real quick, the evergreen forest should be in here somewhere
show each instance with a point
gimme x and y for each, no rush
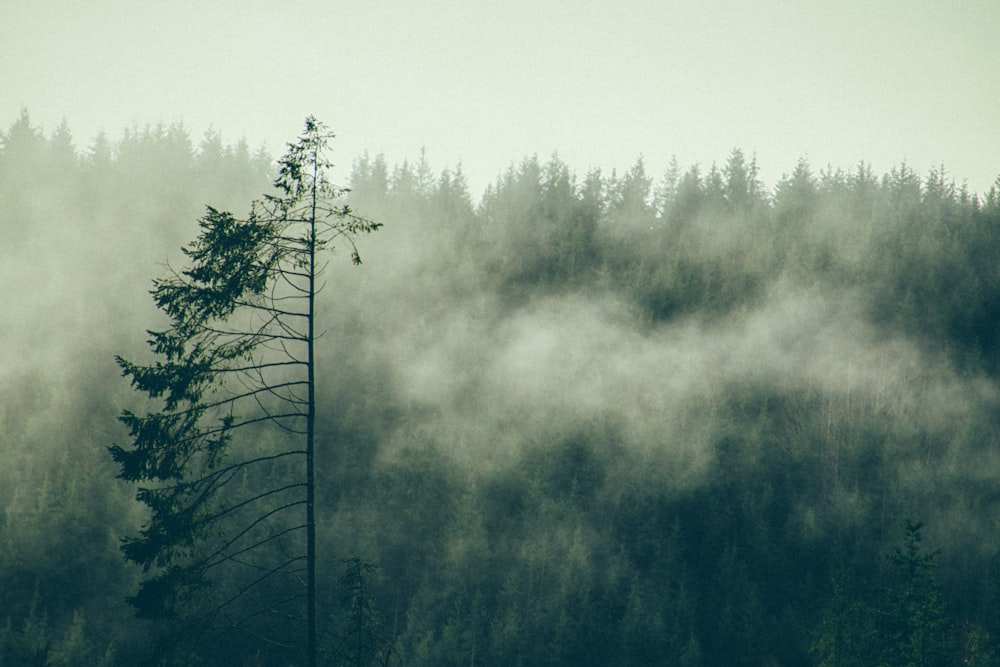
(580, 418)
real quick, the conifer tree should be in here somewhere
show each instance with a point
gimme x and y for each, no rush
(916, 621)
(226, 465)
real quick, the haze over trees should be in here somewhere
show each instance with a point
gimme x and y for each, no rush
(608, 419)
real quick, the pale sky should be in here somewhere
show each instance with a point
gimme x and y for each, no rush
(488, 83)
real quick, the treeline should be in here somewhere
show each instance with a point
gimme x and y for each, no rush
(613, 419)
(845, 326)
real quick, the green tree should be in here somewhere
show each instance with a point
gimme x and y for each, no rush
(977, 649)
(665, 194)
(630, 200)
(796, 196)
(358, 634)
(23, 157)
(845, 634)
(743, 188)
(916, 622)
(231, 533)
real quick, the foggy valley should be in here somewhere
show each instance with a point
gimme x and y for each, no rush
(580, 418)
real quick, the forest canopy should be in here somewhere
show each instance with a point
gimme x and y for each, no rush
(585, 418)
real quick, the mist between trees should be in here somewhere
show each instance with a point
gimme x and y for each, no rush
(600, 418)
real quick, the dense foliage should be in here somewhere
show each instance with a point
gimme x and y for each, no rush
(609, 420)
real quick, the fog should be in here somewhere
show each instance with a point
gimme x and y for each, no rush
(482, 380)
(600, 409)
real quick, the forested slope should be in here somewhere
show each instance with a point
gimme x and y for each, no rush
(607, 419)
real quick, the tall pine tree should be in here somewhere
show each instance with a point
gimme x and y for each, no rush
(226, 464)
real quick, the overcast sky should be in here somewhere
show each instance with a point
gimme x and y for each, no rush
(487, 83)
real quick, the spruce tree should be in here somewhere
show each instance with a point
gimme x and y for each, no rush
(226, 464)
(916, 621)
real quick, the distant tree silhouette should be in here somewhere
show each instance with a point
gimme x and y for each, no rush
(914, 615)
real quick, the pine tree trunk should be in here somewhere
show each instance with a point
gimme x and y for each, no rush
(310, 442)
